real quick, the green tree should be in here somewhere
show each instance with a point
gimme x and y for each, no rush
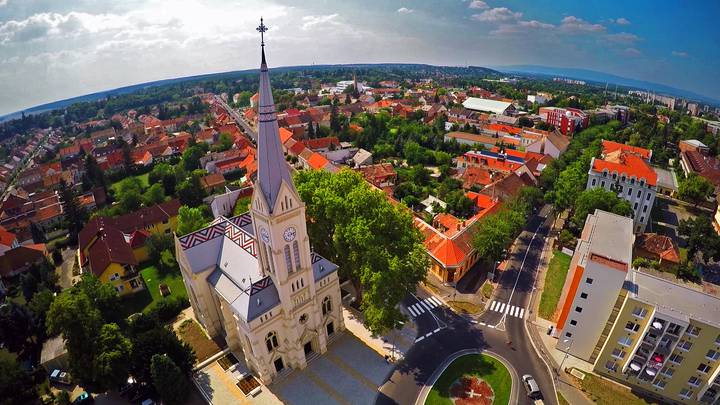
(94, 173)
(191, 158)
(164, 174)
(190, 220)
(74, 214)
(130, 201)
(150, 339)
(374, 242)
(113, 359)
(154, 195)
(598, 198)
(190, 191)
(695, 189)
(224, 143)
(168, 379)
(15, 384)
(103, 296)
(701, 237)
(569, 184)
(16, 326)
(459, 204)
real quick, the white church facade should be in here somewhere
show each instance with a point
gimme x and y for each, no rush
(253, 279)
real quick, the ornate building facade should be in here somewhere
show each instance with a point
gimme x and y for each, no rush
(253, 279)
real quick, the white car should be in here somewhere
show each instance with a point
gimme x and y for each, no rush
(60, 376)
(531, 387)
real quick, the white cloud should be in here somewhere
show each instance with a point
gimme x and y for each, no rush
(478, 4)
(623, 37)
(497, 14)
(311, 21)
(522, 27)
(575, 24)
(680, 54)
(622, 21)
(405, 10)
(3, 3)
(632, 52)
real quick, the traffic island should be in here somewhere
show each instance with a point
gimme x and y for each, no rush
(470, 378)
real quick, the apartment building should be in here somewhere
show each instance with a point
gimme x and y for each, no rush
(626, 170)
(641, 328)
(597, 272)
(566, 120)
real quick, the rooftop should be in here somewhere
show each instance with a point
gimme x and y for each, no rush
(611, 236)
(483, 104)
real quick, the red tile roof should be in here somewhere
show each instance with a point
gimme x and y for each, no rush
(659, 245)
(6, 238)
(110, 247)
(285, 134)
(627, 164)
(322, 143)
(610, 146)
(317, 161)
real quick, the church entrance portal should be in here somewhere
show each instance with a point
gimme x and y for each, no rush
(308, 348)
(279, 366)
(330, 329)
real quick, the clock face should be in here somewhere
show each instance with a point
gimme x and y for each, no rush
(265, 235)
(289, 234)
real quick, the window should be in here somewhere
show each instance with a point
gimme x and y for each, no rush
(642, 183)
(642, 219)
(618, 353)
(717, 340)
(623, 178)
(632, 327)
(326, 305)
(593, 182)
(640, 312)
(583, 295)
(573, 322)
(693, 331)
(120, 288)
(303, 318)
(703, 368)
(647, 198)
(645, 208)
(629, 191)
(639, 193)
(684, 345)
(604, 173)
(271, 341)
(578, 309)
(296, 251)
(619, 189)
(114, 277)
(288, 260)
(676, 358)
(694, 381)
(685, 393)
(614, 176)
(625, 341)
(632, 180)
(635, 206)
(660, 384)
(667, 371)
(611, 365)
(589, 280)
(674, 329)
(568, 334)
(602, 184)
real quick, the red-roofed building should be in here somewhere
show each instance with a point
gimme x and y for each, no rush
(566, 120)
(325, 144)
(381, 175)
(625, 170)
(657, 247)
(318, 161)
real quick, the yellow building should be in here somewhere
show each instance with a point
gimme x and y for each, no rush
(664, 339)
(112, 248)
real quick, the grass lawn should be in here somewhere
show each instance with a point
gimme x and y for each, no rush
(465, 307)
(604, 392)
(479, 365)
(562, 400)
(554, 281)
(142, 300)
(487, 290)
(143, 180)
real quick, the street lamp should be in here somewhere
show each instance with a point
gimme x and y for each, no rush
(567, 350)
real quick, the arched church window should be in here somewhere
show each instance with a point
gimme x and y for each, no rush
(296, 251)
(271, 341)
(326, 305)
(288, 260)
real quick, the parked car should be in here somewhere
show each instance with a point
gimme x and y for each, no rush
(84, 398)
(531, 387)
(59, 376)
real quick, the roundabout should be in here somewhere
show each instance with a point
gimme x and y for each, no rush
(470, 377)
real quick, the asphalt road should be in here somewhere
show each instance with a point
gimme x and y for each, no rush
(504, 335)
(238, 118)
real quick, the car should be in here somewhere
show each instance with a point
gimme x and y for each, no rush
(83, 398)
(59, 376)
(531, 387)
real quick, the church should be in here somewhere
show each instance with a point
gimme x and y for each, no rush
(253, 279)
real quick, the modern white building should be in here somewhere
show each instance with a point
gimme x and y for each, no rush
(487, 105)
(598, 268)
(626, 170)
(253, 279)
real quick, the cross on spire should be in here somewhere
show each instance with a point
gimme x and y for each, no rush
(262, 28)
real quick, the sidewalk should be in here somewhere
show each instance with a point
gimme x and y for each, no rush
(393, 344)
(545, 345)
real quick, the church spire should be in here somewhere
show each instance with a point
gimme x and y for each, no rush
(272, 168)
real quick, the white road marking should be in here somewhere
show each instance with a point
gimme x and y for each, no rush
(430, 302)
(412, 312)
(425, 304)
(516, 312)
(436, 301)
(509, 308)
(522, 312)
(436, 330)
(494, 305)
(491, 326)
(502, 308)
(419, 339)
(481, 323)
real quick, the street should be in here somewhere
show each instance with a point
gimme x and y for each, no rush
(501, 328)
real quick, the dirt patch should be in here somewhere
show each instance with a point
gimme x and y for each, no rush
(191, 333)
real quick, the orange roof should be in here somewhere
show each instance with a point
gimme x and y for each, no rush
(448, 253)
(317, 161)
(610, 146)
(481, 200)
(629, 165)
(285, 134)
(6, 238)
(504, 128)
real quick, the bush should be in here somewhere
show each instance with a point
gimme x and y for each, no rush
(641, 262)
(167, 260)
(566, 238)
(168, 308)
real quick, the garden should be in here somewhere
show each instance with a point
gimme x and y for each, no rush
(472, 379)
(554, 282)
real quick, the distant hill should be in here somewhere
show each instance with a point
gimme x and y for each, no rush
(600, 77)
(416, 68)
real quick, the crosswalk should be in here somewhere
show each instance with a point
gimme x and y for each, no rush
(507, 309)
(424, 305)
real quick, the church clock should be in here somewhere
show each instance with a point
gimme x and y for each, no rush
(289, 234)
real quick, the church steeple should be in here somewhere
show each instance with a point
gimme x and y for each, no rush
(272, 167)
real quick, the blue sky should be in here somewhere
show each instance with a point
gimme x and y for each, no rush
(52, 49)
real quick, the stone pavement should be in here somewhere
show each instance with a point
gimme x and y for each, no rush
(394, 344)
(218, 386)
(545, 345)
(350, 372)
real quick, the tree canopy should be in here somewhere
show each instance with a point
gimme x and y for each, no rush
(695, 189)
(598, 198)
(373, 241)
(190, 220)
